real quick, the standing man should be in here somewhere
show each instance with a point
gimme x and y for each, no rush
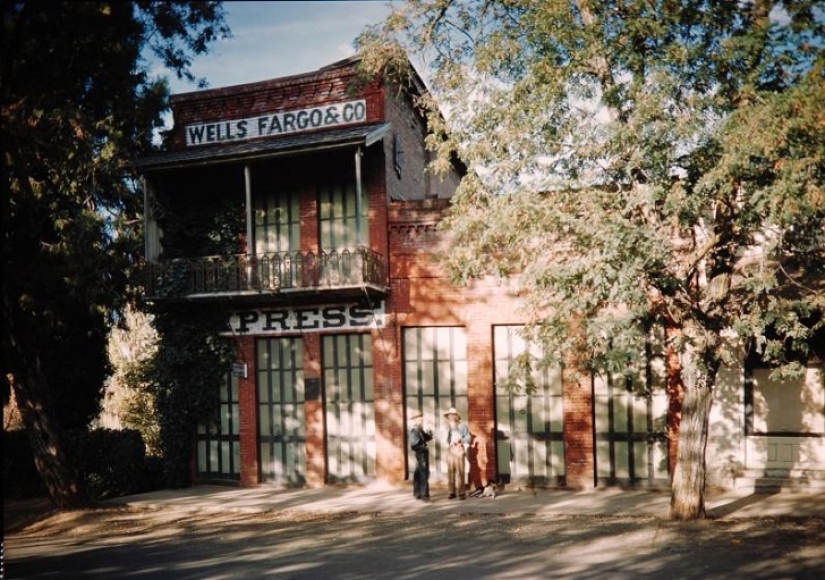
(458, 440)
(418, 443)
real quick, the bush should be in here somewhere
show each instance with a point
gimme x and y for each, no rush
(20, 477)
(111, 462)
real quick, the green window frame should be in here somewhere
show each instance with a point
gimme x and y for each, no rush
(339, 219)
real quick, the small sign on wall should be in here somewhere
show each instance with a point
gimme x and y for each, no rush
(239, 369)
(312, 389)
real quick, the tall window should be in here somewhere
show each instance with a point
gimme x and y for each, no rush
(339, 217)
(785, 406)
(277, 221)
(529, 425)
(350, 407)
(218, 441)
(281, 418)
(435, 379)
(630, 414)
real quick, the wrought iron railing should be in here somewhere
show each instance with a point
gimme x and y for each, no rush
(264, 273)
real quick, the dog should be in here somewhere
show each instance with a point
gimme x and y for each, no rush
(487, 491)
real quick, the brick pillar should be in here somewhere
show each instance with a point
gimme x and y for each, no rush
(314, 412)
(248, 414)
(390, 429)
(481, 414)
(579, 447)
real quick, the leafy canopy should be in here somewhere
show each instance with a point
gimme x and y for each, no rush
(631, 160)
(79, 103)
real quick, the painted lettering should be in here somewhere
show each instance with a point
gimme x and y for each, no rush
(276, 317)
(246, 319)
(277, 123)
(308, 319)
(196, 134)
(332, 115)
(354, 112)
(304, 316)
(316, 118)
(359, 317)
(334, 317)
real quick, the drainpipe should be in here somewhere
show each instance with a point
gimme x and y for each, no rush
(358, 197)
(250, 241)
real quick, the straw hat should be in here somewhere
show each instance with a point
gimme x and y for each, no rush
(452, 411)
(416, 415)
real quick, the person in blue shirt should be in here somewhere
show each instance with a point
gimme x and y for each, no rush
(418, 443)
(458, 440)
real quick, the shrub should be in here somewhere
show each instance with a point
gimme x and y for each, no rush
(110, 461)
(20, 477)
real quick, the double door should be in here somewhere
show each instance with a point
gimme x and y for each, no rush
(349, 409)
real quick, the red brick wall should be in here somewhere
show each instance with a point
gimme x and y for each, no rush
(421, 295)
(330, 85)
(248, 414)
(314, 411)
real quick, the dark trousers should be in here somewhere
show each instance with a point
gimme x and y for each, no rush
(421, 476)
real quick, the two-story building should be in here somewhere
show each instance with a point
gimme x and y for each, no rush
(300, 207)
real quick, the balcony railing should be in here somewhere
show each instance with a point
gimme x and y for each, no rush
(265, 273)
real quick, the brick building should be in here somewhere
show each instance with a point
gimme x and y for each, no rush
(313, 225)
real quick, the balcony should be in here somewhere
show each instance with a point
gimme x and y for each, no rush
(289, 275)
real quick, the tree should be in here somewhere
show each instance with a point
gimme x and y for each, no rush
(663, 160)
(78, 105)
(128, 401)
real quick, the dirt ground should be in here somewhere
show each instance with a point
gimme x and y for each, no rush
(36, 518)
(41, 542)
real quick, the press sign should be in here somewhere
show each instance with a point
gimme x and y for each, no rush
(281, 123)
(310, 319)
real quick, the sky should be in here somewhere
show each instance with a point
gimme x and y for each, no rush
(275, 39)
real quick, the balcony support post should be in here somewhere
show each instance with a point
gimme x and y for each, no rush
(250, 240)
(150, 225)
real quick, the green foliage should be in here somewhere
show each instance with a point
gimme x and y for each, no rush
(78, 105)
(185, 376)
(195, 225)
(631, 162)
(20, 477)
(111, 462)
(129, 401)
(662, 159)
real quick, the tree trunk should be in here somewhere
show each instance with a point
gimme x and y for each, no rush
(687, 500)
(50, 458)
(34, 401)
(675, 396)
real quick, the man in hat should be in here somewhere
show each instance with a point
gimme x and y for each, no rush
(458, 440)
(418, 443)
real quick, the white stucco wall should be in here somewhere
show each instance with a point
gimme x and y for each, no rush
(788, 423)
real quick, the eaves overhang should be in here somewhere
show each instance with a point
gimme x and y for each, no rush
(360, 135)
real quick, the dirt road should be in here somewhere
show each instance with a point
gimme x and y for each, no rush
(127, 542)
